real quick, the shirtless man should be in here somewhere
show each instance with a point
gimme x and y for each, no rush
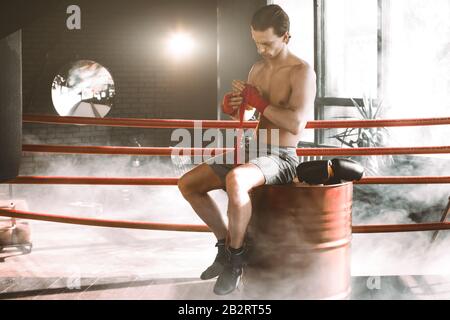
(281, 87)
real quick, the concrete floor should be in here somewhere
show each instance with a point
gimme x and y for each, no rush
(81, 262)
(135, 288)
(78, 262)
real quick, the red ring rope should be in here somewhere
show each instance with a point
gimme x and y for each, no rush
(371, 151)
(200, 228)
(168, 123)
(94, 181)
(405, 180)
(177, 123)
(173, 181)
(103, 222)
(386, 228)
(167, 151)
(147, 151)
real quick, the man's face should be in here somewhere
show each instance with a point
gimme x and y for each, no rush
(268, 43)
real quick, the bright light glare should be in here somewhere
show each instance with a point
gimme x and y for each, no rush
(180, 45)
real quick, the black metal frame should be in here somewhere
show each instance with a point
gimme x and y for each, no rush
(319, 63)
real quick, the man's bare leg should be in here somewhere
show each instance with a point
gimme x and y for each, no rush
(239, 182)
(194, 186)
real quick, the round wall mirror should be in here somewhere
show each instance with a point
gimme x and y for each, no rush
(83, 89)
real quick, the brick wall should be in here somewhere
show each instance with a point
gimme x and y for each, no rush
(128, 39)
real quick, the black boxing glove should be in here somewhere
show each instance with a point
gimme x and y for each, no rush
(315, 172)
(347, 170)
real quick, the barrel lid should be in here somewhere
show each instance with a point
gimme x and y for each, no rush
(305, 185)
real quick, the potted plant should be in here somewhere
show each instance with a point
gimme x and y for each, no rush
(367, 137)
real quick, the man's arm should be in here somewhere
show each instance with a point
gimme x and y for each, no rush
(238, 85)
(293, 118)
(249, 112)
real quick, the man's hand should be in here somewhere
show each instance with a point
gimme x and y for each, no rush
(251, 94)
(254, 98)
(238, 86)
(231, 104)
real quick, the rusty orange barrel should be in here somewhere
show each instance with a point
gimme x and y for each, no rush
(299, 241)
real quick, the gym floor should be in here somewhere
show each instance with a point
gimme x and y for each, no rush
(77, 262)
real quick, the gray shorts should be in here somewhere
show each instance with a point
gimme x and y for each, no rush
(277, 164)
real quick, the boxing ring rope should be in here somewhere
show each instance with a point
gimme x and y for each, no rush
(387, 228)
(227, 124)
(168, 151)
(150, 181)
(96, 181)
(200, 228)
(102, 222)
(174, 123)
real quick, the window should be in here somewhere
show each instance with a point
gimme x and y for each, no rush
(394, 51)
(350, 48)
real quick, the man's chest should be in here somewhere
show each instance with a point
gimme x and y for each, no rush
(275, 85)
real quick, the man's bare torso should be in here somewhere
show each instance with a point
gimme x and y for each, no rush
(276, 87)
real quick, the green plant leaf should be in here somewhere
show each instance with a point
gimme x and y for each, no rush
(379, 108)
(355, 103)
(362, 111)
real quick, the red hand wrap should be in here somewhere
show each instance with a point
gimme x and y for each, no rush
(252, 97)
(226, 108)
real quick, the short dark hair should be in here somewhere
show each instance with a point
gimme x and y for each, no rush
(271, 16)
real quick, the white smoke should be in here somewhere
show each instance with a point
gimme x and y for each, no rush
(417, 85)
(108, 252)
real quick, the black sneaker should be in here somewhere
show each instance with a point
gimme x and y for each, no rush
(230, 277)
(219, 262)
(228, 280)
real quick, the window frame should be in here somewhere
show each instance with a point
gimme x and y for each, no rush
(322, 100)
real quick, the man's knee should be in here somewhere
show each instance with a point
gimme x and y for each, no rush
(185, 185)
(235, 181)
(198, 181)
